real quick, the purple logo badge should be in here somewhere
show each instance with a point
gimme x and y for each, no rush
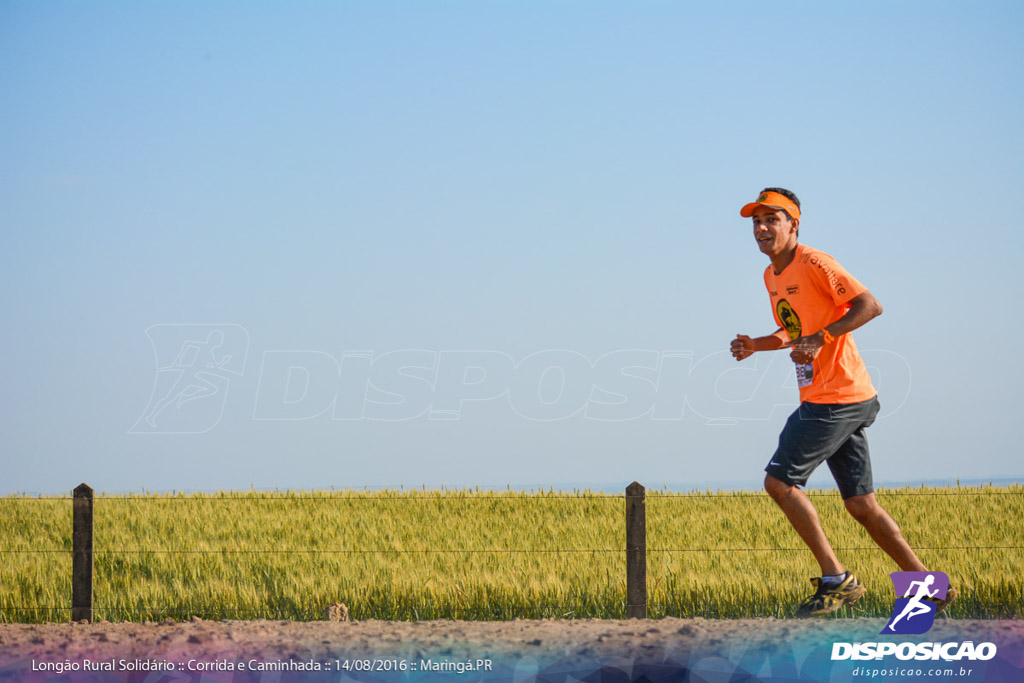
(917, 598)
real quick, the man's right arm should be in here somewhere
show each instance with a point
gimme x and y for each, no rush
(743, 346)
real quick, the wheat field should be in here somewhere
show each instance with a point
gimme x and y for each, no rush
(473, 554)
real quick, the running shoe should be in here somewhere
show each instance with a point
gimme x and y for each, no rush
(951, 594)
(830, 596)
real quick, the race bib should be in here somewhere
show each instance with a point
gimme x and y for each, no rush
(804, 375)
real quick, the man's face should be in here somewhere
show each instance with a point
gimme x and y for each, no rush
(774, 231)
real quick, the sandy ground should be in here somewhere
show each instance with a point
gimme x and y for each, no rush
(564, 639)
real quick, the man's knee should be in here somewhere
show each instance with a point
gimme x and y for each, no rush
(776, 488)
(861, 508)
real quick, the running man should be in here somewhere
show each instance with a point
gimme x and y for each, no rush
(817, 304)
(914, 606)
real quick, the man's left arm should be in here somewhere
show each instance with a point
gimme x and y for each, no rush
(863, 308)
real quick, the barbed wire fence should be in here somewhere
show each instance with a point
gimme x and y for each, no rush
(635, 546)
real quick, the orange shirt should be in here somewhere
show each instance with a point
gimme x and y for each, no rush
(811, 292)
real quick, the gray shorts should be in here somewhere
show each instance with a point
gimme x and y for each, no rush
(833, 433)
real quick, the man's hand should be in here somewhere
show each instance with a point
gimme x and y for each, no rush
(805, 349)
(742, 346)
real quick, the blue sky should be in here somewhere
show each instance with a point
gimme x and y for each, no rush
(550, 190)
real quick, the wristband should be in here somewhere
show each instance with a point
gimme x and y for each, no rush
(828, 337)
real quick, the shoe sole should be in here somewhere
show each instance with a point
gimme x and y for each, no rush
(951, 595)
(856, 595)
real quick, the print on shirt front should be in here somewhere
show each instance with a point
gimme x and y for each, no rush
(791, 322)
(816, 291)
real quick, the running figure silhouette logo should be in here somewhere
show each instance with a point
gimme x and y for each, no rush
(917, 598)
(194, 366)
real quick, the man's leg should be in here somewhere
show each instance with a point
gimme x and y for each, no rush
(812, 434)
(884, 531)
(851, 467)
(804, 518)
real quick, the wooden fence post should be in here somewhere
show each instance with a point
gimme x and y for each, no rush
(636, 552)
(81, 554)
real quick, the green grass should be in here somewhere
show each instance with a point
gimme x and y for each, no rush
(428, 554)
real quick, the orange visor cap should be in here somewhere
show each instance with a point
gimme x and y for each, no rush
(772, 200)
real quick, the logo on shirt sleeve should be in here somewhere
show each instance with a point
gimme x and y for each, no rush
(828, 271)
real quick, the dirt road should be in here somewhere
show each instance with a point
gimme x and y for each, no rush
(205, 640)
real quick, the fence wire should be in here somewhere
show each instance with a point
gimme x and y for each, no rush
(459, 496)
(450, 496)
(473, 551)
